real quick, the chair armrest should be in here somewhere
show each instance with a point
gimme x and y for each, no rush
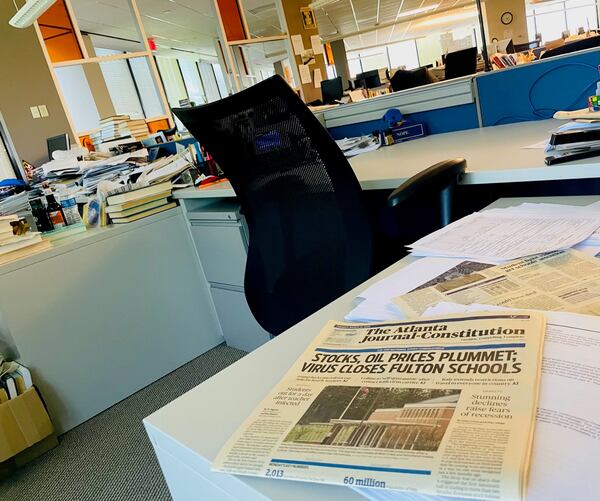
(429, 182)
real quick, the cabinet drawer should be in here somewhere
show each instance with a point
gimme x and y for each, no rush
(222, 252)
(239, 327)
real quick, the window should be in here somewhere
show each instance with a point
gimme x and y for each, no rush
(220, 79)
(209, 80)
(172, 80)
(403, 54)
(146, 87)
(79, 98)
(191, 79)
(552, 19)
(121, 86)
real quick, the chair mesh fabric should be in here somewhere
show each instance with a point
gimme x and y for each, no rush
(309, 235)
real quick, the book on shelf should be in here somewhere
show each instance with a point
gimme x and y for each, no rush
(141, 215)
(132, 192)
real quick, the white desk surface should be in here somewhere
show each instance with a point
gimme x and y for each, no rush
(195, 426)
(493, 154)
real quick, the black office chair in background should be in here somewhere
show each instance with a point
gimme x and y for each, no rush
(460, 63)
(310, 239)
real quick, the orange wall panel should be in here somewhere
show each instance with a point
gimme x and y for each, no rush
(232, 20)
(57, 30)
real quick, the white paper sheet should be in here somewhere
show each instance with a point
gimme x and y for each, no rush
(375, 302)
(566, 447)
(297, 44)
(304, 73)
(315, 42)
(505, 234)
(318, 78)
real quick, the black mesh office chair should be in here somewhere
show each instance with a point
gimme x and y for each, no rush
(310, 238)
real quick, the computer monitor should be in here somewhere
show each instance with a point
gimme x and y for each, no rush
(61, 142)
(368, 79)
(332, 90)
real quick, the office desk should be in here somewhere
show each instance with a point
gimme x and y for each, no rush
(188, 433)
(494, 155)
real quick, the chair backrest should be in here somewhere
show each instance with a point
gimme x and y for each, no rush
(461, 63)
(585, 43)
(407, 79)
(309, 235)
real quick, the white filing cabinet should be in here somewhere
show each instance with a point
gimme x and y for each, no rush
(221, 239)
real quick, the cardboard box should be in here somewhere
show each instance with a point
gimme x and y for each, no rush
(23, 423)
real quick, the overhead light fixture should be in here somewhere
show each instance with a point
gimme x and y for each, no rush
(319, 4)
(448, 18)
(420, 10)
(27, 14)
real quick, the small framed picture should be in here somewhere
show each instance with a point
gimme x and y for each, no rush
(308, 18)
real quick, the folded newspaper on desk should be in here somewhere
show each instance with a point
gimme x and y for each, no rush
(556, 281)
(443, 405)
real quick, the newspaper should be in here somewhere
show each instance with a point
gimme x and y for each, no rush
(556, 281)
(442, 405)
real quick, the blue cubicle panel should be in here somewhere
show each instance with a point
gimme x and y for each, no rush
(437, 121)
(535, 91)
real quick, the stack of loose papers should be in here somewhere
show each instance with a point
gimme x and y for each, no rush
(565, 450)
(512, 233)
(357, 145)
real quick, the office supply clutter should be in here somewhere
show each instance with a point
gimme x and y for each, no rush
(420, 405)
(24, 421)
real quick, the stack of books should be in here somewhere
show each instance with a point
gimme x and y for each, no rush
(13, 246)
(500, 61)
(15, 380)
(133, 202)
(110, 129)
(138, 129)
(574, 141)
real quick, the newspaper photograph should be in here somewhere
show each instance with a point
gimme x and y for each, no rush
(443, 405)
(556, 281)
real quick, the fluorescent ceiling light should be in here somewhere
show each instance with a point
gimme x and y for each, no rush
(27, 14)
(318, 4)
(448, 18)
(420, 10)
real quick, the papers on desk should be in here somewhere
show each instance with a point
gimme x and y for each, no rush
(512, 233)
(556, 281)
(413, 405)
(357, 145)
(566, 448)
(375, 302)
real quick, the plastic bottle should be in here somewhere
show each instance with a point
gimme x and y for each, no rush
(70, 212)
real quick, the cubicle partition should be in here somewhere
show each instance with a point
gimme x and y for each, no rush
(535, 91)
(526, 92)
(442, 107)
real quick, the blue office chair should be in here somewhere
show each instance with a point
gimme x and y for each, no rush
(310, 238)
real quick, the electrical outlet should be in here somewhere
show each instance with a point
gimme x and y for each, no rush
(43, 110)
(35, 112)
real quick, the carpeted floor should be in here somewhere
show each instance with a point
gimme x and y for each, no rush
(109, 458)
